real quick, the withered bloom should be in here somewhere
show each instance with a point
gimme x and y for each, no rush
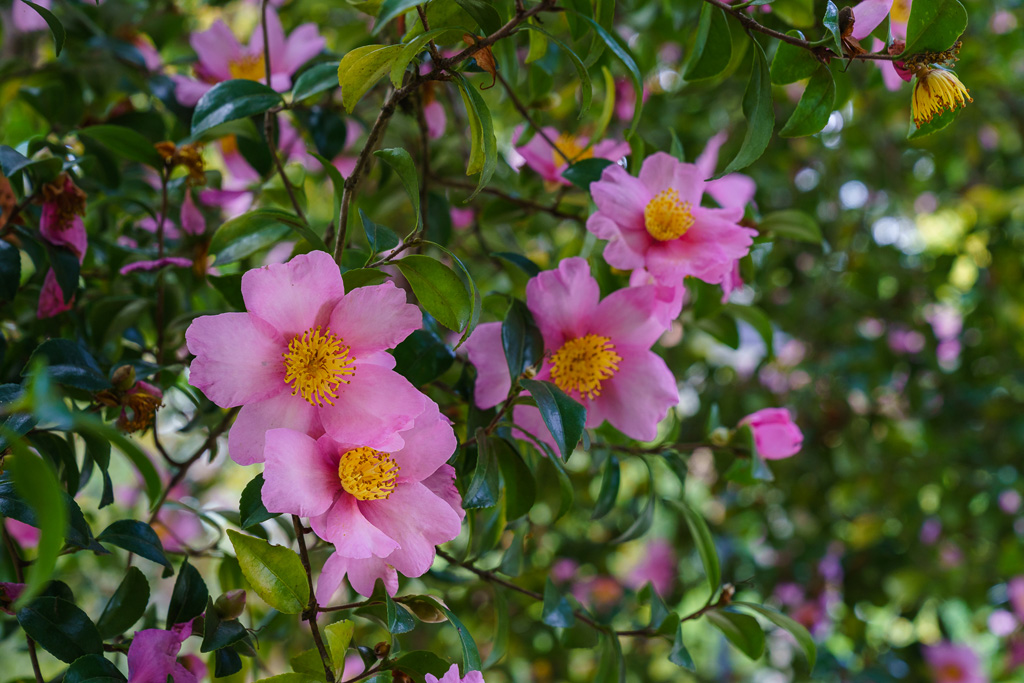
(189, 156)
(138, 401)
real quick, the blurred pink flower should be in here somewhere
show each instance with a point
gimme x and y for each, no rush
(658, 566)
(1015, 592)
(930, 531)
(462, 218)
(870, 13)
(951, 663)
(153, 655)
(9, 593)
(156, 264)
(625, 99)
(1002, 623)
(221, 57)
(26, 535)
(776, 436)
(1009, 501)
(549, 164)
(263, 359)
(452, 676)
(564, 570)
(51, 298)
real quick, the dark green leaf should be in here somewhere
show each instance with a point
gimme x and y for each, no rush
(402, 164)
(379, 237)
(795, 628)
(586, 171)
(189, 597)
(69, 363)
(362, 277)
(219, 634)
(438, 289)
(564, 417)
(814, 108)
(520, 488)
(389, 9)
(643, 521)
(422, 357)
(483, 13)
(420, 662)
(757, 108)
(557, 611)
(126, 605)
(705, 545)
(226, 662)
(483, 156)
(246, 234)
(231, 100)
(10, 270)
(136, 537)
(251, 509)
(757, 319)
(934, 26)
(609, 489)
(831, 21)
(483, 487)
(518, 260)
(712, 47)
(66, 268)
(409, 52)
(60, 628)
(521, 339)
(621, 51)
(56, 28)
(742, 630)
(93, 669)
(125, 142)
(793, 224)
(586, 86)
(315, 80)
(679, 655)
(470, 654)
(791, 63)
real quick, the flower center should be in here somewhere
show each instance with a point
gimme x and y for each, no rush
(666, 218)
(951, 673)
(936, 91)
(249, 67)
(368, 474)
(900, 11)
(316, 365)
(229, 145)
(570, 146)
(583, 363)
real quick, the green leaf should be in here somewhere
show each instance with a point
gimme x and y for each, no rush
(519, 261)
(274, 572)
(831, 21)
(380, 238)
(67, 269)
(438, 289)
(499, 646)
(360, 69)
(557, 611)
(400, 161)
(362, 277)
(483, 155)
(712, 47)
(56, 28)
(938, 123)
(814, 108)
(679, 655)
(125, 142)
(136, 537)
(409, 52)
(519, 485)
(621, 51)
(420, 662)
(126, 605)
(246, 234)
(339, 636)
(60, 628)
(741, 630)
(586, 171)
(89, 424)
(315, 80)
(564, 417)
(226, 662)
(791, 63)
(705, 545)
(643, 521)
(422, 357)
(470, 653)
(793, 224)
(251, 510)
(218, 634)
(93, 669)
(586, 86)
(231, 100)
(70, 364)
(10, 270)
(520, 339)
(795, 12)
(795, 628)
(483, 13)
(757, 108)
(609, 489)
(189, 597)
(389, 9)
(934, 26)
(36, 483)
(482, 491)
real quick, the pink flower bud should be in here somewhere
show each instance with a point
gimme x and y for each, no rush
(775, 434)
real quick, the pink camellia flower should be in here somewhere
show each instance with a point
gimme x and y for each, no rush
(951, 663)
(452, 676)
(625, 99)
(732, 191)
(153, 655)
(156, 264)
(60, 223)
(367, 502)
(222, 57)
(775, 434)
(51, 298)
(598, 352)
(1015, 591)
(26, 535)
(9, 594)
(658, 566)
(549, 163)
(309, 357)
(363, 572)
(462, 218)
(192, 221)
(656, 222)
(870, 13)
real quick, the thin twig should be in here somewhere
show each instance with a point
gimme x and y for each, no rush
(525, 113)
(512, 199)
(19, 575)
(311, 609)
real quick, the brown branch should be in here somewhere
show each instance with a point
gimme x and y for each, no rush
(311, 610)
(524, 112)
(512, 199)
(508, 29)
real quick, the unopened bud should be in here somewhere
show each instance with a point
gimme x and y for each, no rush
(381, 649)
(720, 436)
(124, 378)
(230, 605)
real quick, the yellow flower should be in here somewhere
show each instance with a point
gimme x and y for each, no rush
(936, 91)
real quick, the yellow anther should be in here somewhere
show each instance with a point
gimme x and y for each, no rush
(368, 474)
(316, 365)
(666, 218)
(583, 363)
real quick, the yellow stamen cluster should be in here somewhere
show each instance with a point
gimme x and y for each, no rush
(583, 363)
(936, 91)
(316, 366)
(249, 67)
(368, 474)
(666, 218)
(143, 409)
(569, 145)
(900, 11)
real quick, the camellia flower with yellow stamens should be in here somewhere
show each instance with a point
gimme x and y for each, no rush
(935, 91)
(309, 357)
(369, 503)
(550, 163)
(222, 57)
(597, 351)
(656, 222)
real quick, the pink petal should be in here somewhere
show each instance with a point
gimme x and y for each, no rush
(662, 171)
(298, 479)
(295, 296)
(707, 251)
(362, 575)
(235, 362)
(374, 318)
(611, 150)
(72, 236)
(707, 162)
(637, 397)
(868, 15)
(352, 534)
(562, 301)
(192, 221)
(152, 657)
(304, 43)
(487, 355)
(442, 484)
(189, 91)
(246, 438)
(436, 119)
(418, 520)
(373, 408)
(540, 157)
(275, 41)
(732, 191)
(634, 316)
(621, 198)
(428, 445)
(51, 298)
(216, 48)
(626, 252)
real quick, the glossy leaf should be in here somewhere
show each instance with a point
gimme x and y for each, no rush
(409, 52)
(360, 69)
(315, 80)
(712, 46)
(389, 9)
(470, 653)
(126, 142)
(246, 234)
(517, 478)
(402, 164)
(705, 545)
(126, 606)
(791, 63)
(483, 13)
(93, 669)
(251, 509)
(564, 417)
(231, 100)
(189, 597)
(274, 572)
(679, 655)
(795, 628)
(520, 339)
(379, 237)
(814, 108)
(422, 357)
(338, 636)
(831, 22)
(934, 26)
(60, 628)
(757, 108)
(609, 488)
(585, 171)
(136, 537)
(483, 156)
(438, 289)
(56, 28)
(556, 611)
(69, 363)
(36, 484)
(482, 491)
(741, 630)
